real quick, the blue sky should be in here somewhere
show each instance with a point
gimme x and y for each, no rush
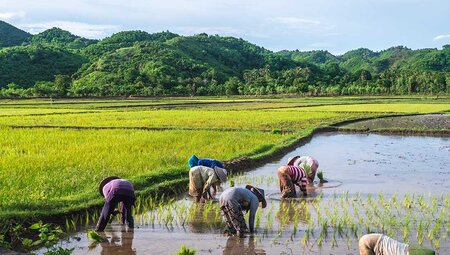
(336, 26)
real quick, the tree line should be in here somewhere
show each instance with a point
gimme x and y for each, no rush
(56, 63)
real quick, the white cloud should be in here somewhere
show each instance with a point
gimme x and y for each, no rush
(303, 25)
(441, 37)
(76, 28)
(11, 15)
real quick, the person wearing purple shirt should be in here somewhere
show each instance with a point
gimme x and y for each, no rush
(115, 191)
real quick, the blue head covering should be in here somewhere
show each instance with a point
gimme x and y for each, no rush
(193, 161)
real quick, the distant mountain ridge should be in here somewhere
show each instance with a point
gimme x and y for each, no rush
(60, 38)
(11, 36)
(160, 64)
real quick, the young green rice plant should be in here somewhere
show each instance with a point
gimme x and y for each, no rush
(324, 231)
(67, 225)
(447, 201)
(407, 201)
(431, 235)
(320, 176)
(349, 242)
(333, 240)
(186, 251)
(369, 199)
(420, 233)
(340, 228)
(94, 236)
(87, 218)
(406, 230)
(305, 239)
(368, 227)
(354, 229)
(73, 224)
(320, 240)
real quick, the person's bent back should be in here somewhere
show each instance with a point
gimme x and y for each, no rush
(115, 191)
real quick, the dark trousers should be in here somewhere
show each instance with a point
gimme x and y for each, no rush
(234, 219)
(126, 202)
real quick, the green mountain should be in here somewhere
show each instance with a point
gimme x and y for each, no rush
(26, 65)
(57, 37)
(11, 36)
(123, 40)
(161, 61)
(317, 57)
(56, 62)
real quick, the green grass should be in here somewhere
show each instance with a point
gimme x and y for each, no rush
(385, 107)
(52, 171)
(35, 111)
(42, 167)
(197, 119)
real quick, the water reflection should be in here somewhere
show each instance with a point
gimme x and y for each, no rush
(204, 221)
(246, 245)
(119, 243)
(291, 211)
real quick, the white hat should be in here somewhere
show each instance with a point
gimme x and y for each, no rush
(221, 173)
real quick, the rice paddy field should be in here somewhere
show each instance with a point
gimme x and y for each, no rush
(53, 153)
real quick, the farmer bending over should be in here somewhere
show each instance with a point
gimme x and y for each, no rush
(307, 163)
(202, 178)
(289, 177)
(115, 191)
(194, 161)
(235, 200)
(378, 244)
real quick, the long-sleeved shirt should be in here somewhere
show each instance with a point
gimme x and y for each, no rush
(209, 162)
(118, 187)
(308, 162)
(234, 197)
(298, 176)
(204, 176)
(387, 245)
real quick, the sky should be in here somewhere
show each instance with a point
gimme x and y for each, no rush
(334, 25)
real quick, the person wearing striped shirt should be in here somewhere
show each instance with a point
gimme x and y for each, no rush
(290, 176)
(307, 163)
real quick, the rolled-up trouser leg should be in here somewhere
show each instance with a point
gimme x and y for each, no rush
(367, 244)
(287, 187)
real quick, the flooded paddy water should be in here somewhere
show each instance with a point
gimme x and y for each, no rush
(377, 183)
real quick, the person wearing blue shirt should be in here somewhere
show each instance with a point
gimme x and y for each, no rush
(195, 161)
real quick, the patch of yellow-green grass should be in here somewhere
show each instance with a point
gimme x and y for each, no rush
(386, 108)
(196, 119)
(34, 111)
(40, 167)
(120, 103)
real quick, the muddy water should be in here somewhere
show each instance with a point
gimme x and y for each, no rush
(355, 165)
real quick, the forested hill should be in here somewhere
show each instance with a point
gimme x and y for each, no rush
(11, 36)
(58, 63)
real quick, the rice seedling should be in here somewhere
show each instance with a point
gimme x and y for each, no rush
(143, 158)
(420, 233)
(333, 240)
(305, 239)
(320, 240)
(94, 236)
(437, 243)
(186, 251)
